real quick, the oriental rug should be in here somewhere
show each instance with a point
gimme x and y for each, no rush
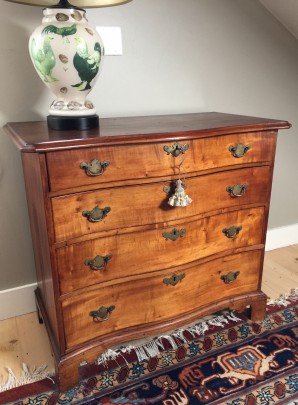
(228, 360)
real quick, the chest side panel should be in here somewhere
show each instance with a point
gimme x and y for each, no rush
(41, 231)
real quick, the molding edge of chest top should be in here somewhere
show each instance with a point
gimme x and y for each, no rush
(114, 261)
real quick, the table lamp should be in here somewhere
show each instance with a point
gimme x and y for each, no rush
(67, 54)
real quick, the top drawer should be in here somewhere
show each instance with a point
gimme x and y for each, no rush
(67, 169)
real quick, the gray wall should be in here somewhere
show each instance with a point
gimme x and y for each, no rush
(179, 56)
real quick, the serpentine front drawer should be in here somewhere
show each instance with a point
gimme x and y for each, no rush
(115, 262)
(119, 256)
(157, 297)
(120, 207)
(82, 167)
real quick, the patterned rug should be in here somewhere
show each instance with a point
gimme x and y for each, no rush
(235, 362)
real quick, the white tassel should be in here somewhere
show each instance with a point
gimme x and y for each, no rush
(218, 321)
(151, 349)
(180, 335)
(26, 377)
(202, 328)
(10, 383)
(285, 299)
(179, 198)
(141, 354)
(233, 317)
(169, 338)
(106, 356)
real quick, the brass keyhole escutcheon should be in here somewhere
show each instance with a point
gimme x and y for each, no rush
(176, 149)
(174, 234)
(174, 280)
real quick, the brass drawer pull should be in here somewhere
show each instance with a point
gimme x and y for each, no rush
(230, 277)
(102, 314)
(99, 262)
(174, 234)
(232, 232)
(240, 150)
(176, 149)
(97, 214)
(174, 280)
(95, 167)
(237, 190)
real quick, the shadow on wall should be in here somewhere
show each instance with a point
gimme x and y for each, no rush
(16, 255)
(22, 89)
(21, 93)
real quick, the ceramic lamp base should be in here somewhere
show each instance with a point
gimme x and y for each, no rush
(67, 54)
(73, 123)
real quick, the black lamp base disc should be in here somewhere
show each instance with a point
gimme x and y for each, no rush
(73, 123)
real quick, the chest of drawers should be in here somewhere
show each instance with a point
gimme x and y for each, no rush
(114, 260)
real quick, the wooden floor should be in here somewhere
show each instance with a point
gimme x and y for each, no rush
(24, 340)
(280, 271)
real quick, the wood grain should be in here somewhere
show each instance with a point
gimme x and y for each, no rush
(150, 160)
(150, 300)
(144, 252)
(148, 204)
(35, 176)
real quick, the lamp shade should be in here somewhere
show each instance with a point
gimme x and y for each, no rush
(76, 3)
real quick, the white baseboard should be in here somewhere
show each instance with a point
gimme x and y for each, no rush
(20, 300)
(17, 301)
(281, 237)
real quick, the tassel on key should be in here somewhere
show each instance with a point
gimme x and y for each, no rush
(179, 198)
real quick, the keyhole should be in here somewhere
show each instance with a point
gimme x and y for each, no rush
(177, 151)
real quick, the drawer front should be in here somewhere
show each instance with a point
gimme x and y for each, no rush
(118, 256)
(153, 299)
(123, 207)
(73, 168)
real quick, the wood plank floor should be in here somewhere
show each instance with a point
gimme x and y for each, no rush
(24, 340)
(280, 271)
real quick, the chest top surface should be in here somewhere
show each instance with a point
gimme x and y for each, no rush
(36, 137)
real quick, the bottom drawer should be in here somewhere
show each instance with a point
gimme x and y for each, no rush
(153, 299)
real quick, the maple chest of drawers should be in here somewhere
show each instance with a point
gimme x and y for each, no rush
(114, 260)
